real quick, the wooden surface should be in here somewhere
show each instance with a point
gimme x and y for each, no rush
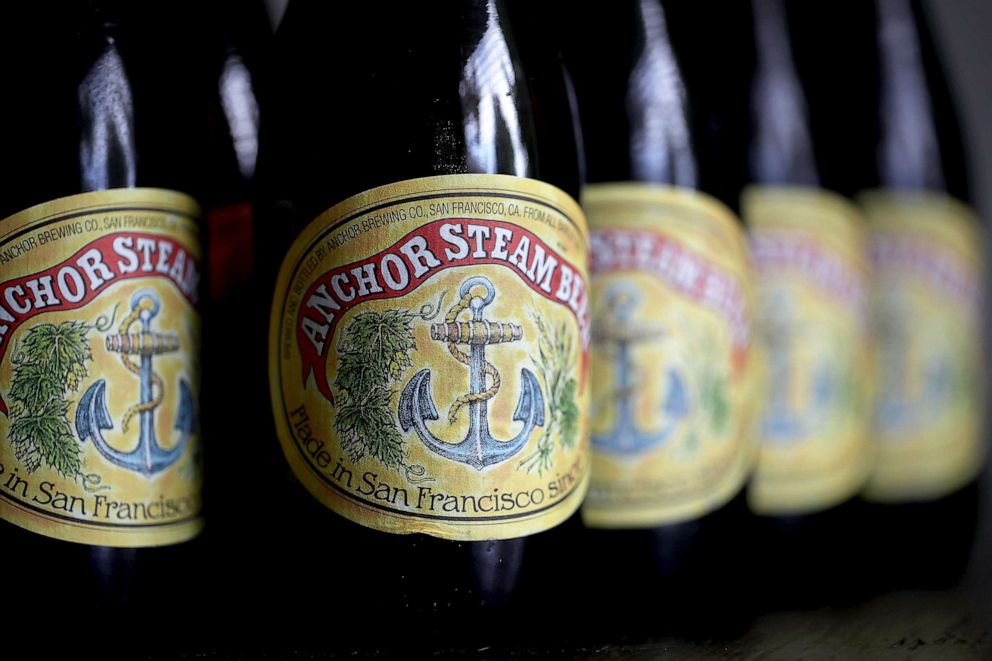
(954, 624)
(901, 625)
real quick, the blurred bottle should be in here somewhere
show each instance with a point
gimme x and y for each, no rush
(928, 255)
(240, 36)
(900, 149)
(540, 40)
(240, 42)
(810, 249)
(672, 366)
(428, 327)
(100, 446)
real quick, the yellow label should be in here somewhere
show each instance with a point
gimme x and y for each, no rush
(927, 255)
(672, 366)
(428, 353)
(810, 252)
(99, 377)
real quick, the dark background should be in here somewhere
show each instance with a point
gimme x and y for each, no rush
(964, 32)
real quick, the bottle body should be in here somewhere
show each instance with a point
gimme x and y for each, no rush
(238, 49)
(909, 176)
(108, 496)
(930, 430)
(443, 176)
(670, 448)
(811, 252)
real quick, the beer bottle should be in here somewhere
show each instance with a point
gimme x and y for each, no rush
(898, 146)
(240, 36)
(100, 262)
(238, 49)
(929, 261)
(672, 306)
(810, 250)
(427, 346)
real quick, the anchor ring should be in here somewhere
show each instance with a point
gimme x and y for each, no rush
(146, 294)
(623, 298)
(478, 281)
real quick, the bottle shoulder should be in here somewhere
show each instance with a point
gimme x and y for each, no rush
(100, 106)
(411, 107)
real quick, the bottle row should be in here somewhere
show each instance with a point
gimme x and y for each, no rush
(642, 317)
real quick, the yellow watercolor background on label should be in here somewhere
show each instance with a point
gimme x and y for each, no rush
(813, 428)
(699, 466)
(85, 516)
(403, 505)
(935, 444)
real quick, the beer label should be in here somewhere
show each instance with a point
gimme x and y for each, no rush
(99, 379)
(428, 357)
(672, 366)
(810, 251)
(928, 259)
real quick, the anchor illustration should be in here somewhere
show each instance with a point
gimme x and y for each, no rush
(897, 409)
(782, 422)
(478, 449)
(92, 417)
(625, 437)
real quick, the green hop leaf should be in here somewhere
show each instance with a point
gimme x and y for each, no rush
(53, 363)
(373, 354)
(569, 413)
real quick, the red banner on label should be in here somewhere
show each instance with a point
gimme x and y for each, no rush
(684, 270)
(80, 279)
(408, 263)
(774, 250)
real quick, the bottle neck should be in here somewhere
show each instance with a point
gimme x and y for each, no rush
(782, 148)
(632, 98)
(661, 147)
(909, 150)
(491, 90)
(108, 152)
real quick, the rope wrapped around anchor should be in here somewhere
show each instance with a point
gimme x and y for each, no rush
(473, 332)
(128, 344)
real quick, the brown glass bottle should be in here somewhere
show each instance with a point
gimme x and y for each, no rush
(94, 103)
(240, 37)
(814, 429)
(919, 150)
(661, 552)
(899, 149)
(364, 98)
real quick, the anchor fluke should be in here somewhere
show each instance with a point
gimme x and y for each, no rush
(677, 403)
(91, 413)
(415, 401)
(186, 416)
(185, 424)
(530, 406)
